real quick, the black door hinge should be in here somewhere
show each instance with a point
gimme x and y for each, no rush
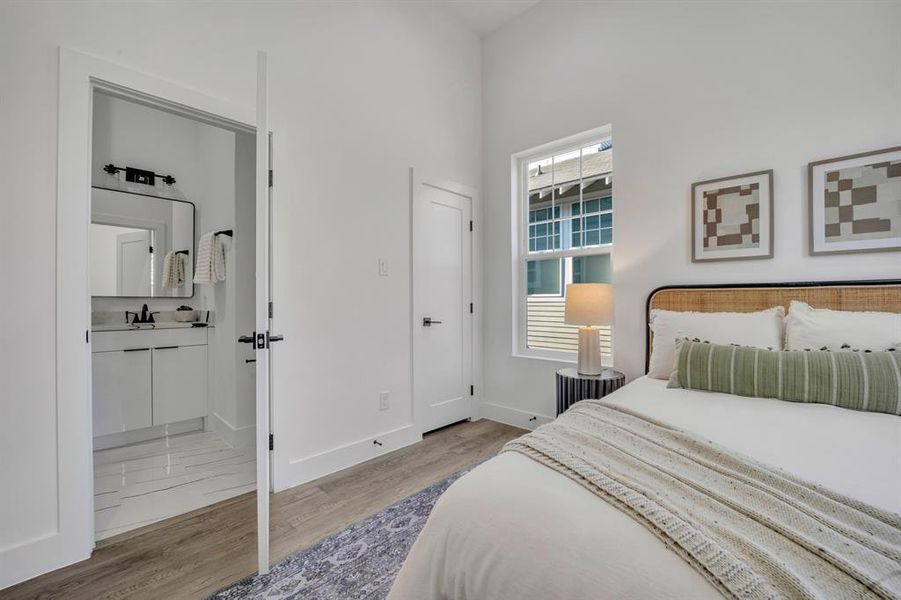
(87, 339)
(270, 309)
(271, 442)
(472, 390)
(151, 249)
(470, 308)
(470, 225)
(270, 177)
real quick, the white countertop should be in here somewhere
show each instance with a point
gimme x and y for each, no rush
(143, 326)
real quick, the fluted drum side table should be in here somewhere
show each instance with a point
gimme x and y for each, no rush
(573, 386)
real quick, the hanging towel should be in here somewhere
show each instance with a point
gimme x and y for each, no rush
(173, 270)
(210, 259)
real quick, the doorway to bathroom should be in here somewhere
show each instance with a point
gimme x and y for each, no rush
(70, 537)
(172, 271)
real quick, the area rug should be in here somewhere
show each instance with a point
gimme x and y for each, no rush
(360, 562)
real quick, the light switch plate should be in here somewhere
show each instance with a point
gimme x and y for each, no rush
(383, 267)
(384, 403)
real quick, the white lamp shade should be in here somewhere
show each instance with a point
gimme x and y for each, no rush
(589, 304)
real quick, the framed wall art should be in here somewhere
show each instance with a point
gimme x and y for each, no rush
(732, 217)
(855, 202)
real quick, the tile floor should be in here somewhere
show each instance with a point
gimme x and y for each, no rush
(143, 483)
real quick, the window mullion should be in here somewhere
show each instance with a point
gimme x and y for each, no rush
(552, 245)
(581, 199)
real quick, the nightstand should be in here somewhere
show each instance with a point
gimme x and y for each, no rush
(573, 386)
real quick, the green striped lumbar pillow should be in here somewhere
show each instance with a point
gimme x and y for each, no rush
(868, 381)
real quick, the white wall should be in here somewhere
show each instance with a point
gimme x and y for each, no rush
(693, 91)
(359, 93)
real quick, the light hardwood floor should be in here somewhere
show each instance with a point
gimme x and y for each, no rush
(196, 554)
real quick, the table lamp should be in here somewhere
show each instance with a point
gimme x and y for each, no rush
(589, 305)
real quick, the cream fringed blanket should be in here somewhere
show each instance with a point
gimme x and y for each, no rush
(751, 530)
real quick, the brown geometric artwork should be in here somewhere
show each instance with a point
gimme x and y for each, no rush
(732, 217)
(863, 203)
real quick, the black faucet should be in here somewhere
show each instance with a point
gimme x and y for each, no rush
(145, 316)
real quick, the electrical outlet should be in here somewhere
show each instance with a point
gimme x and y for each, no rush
(384, 403)
(383, 267)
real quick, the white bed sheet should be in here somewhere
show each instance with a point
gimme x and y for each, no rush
(513, 528)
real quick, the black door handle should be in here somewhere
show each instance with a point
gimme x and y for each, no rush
(428, 322)
(260, 340)
(249, 360)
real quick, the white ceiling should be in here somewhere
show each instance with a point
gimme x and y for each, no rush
(484, 16)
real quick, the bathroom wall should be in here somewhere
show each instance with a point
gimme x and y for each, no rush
(232, 398)
(245, 295)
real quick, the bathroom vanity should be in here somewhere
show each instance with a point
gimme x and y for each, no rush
(149, 381)
(144, 378)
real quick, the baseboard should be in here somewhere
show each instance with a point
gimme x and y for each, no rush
(513, 416)
(114, 440)
(236, 437)
(308, 468)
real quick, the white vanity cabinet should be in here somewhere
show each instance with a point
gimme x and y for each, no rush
(143, 378)
(122, 391)
(179, 383)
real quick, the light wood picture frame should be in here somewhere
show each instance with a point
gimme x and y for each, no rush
(854, 203)
(732, 217)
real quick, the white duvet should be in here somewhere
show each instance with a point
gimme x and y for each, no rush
(514, 529)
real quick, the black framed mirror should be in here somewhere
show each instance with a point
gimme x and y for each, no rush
(141, 246)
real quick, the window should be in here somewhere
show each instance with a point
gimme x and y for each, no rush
(544, 229)
(563, 202)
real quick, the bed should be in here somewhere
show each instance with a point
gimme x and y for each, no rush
(514, 528)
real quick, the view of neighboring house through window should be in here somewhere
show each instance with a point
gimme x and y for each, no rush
(567, 198)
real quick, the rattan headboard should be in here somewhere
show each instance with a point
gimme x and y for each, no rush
(881, 295)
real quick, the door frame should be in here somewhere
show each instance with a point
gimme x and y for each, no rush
(418, 178)
(80, 74)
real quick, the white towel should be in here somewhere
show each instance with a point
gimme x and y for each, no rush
(210, 259)
(173, 270)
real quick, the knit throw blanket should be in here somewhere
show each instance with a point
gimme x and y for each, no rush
(753, 531)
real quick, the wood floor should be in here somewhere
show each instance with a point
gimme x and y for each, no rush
(196, 554)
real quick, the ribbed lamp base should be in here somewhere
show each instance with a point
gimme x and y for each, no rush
(590, 351)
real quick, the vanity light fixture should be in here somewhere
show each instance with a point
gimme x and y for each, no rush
(139, 175)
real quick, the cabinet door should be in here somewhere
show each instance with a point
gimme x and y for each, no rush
(179, 383)
(121, 391)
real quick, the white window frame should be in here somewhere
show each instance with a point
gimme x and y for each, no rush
(519, 168)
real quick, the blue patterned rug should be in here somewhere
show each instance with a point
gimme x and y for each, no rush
(360, 562)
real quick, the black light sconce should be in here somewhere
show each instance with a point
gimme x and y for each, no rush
(134, 175)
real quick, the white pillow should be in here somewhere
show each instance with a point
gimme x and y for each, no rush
(816, 328)
(762, 329)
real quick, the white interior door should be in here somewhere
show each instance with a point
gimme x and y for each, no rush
(261, 334)
(442, 303)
